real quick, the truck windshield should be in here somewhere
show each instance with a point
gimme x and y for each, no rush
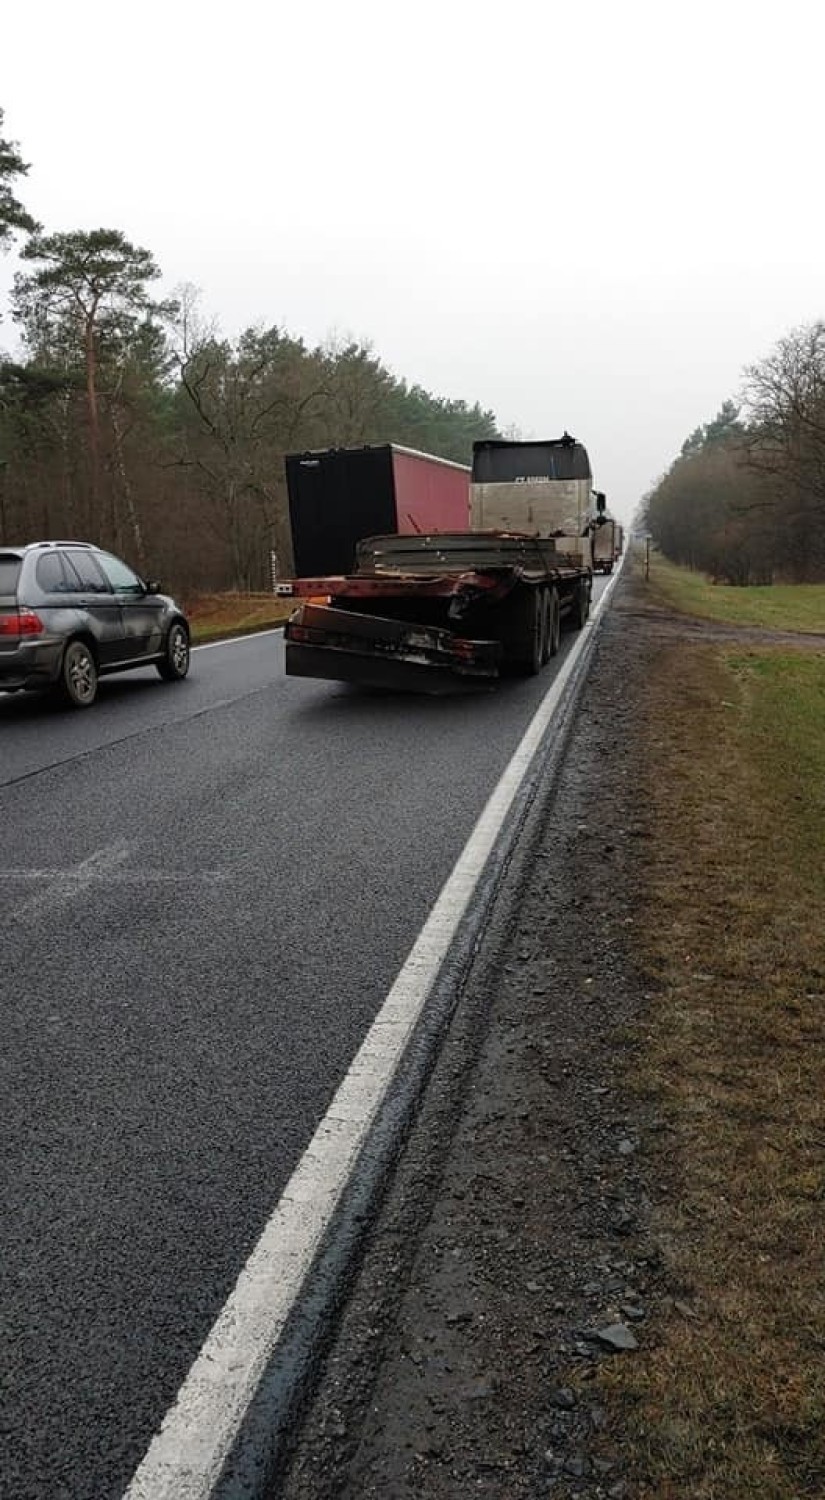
(503, 463)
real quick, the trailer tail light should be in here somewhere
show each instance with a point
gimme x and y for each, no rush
(21, 622)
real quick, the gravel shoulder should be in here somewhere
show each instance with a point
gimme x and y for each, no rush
(515, 1258)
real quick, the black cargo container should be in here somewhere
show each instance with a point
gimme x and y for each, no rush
(338, 496)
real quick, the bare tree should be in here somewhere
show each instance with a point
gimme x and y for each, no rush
(785, 400)
(247, 403)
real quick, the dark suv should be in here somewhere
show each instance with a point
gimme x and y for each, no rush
(70, 613)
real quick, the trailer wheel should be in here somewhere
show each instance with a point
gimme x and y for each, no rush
(530, 636)
(581, 605)
(553, 634)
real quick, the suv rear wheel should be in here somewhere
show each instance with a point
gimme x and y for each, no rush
(78, 675)
(175, 663)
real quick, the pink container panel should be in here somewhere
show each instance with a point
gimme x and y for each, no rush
(430, 496)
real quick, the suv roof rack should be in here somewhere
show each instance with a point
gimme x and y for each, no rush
(62, 542)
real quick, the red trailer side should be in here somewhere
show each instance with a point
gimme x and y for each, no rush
(431, 494)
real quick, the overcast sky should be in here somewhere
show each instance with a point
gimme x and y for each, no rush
(587, 215)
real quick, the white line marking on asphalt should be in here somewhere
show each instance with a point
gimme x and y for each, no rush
(185, 1457)
(105, 867)
(111, 876)
(66, 884)
(237, 640)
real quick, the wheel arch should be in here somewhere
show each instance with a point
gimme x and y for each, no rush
(86, 638)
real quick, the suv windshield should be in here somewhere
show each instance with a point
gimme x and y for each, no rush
(9, 574)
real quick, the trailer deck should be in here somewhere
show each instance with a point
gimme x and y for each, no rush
(434, 613)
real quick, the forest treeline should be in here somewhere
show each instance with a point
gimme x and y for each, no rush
(131, 420)
(745, 500)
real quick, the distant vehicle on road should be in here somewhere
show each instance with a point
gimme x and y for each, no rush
(71, 613)
(605, 546)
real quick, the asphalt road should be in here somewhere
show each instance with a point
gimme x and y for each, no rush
(206, 891)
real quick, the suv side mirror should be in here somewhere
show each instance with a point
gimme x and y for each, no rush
(152, 586)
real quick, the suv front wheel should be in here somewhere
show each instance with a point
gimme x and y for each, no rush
(175, 663)
(78, 675)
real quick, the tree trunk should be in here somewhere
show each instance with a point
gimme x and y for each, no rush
(92, 411)
(68, 520)
(234, 533)
(128, 493)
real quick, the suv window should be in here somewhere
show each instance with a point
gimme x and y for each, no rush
(90, 579)
(50, 575)
(9, 574)
(122, 579)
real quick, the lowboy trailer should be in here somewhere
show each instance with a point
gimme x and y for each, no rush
(455, 610)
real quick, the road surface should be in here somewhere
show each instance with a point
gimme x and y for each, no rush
(206, 891)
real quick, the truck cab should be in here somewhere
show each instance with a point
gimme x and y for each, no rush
(542, 489)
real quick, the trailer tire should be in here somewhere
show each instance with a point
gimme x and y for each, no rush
(553, 634)
(530, 638)
(581, 604)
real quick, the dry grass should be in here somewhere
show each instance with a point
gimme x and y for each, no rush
(731, 1402)
(778, 607)
(213, 616)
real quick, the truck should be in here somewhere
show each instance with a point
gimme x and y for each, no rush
(605, 545)
(440, 610)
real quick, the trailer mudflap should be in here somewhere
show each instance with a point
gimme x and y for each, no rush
(341, 645)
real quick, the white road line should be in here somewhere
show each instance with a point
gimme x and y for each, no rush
(110, 876)
(185, 1457)
(236, 640)
(65, 885)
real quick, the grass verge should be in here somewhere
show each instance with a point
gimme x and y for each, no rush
(728, 1399)
(794, 607)
(219, 616)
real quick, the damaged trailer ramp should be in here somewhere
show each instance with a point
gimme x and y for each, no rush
(339, 645)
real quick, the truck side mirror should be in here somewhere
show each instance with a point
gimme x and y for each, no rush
(601, 501)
